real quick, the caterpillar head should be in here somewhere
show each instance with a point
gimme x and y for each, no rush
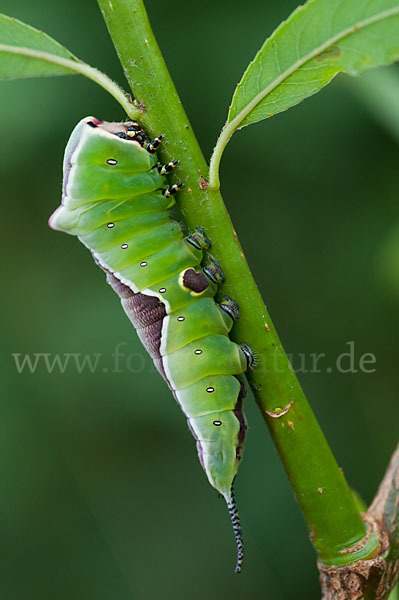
(104, 161)
(126, 131)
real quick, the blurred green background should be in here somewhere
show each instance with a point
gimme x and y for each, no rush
(102, 494)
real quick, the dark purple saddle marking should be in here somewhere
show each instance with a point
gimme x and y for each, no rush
(197, 282)
(147, 314)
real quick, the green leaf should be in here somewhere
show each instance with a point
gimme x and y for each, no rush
(16, 39)
(306, 51)
(28, 52)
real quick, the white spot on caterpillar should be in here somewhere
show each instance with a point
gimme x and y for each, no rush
(162, 290)
(210, 390)
(110, 225)
(198, 352)
(124, 246)
(112, 161)
(180, 319)
(217, 423)
(143, 264)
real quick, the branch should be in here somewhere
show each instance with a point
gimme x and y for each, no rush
(333, 519)
(375, 578)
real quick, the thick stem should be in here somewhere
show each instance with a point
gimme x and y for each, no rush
(331, 514)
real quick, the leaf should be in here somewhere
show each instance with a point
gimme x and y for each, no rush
(306, 51)
(28, 52)
(16, 39)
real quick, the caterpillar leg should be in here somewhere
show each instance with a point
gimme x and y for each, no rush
(172, 189)
(198, 239)
(153, 146)
(213, 270)
(165, 169)
(230, 307)
(249, 354)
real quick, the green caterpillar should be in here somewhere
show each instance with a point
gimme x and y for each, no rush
(115, 199)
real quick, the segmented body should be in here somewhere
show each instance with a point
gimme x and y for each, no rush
(113, 201)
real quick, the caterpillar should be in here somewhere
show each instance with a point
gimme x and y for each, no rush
(116, 200)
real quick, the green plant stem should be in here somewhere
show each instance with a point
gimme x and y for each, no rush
(81, 68)
(329, 509)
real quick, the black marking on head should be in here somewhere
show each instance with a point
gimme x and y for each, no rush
(235, 521)
(130, 130)
(140, 138)
(135, 132)
(217, 423)
(197, 282)
(210, 389)
(123, 135)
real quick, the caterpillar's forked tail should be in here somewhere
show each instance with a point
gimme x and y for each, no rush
(235, 521)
